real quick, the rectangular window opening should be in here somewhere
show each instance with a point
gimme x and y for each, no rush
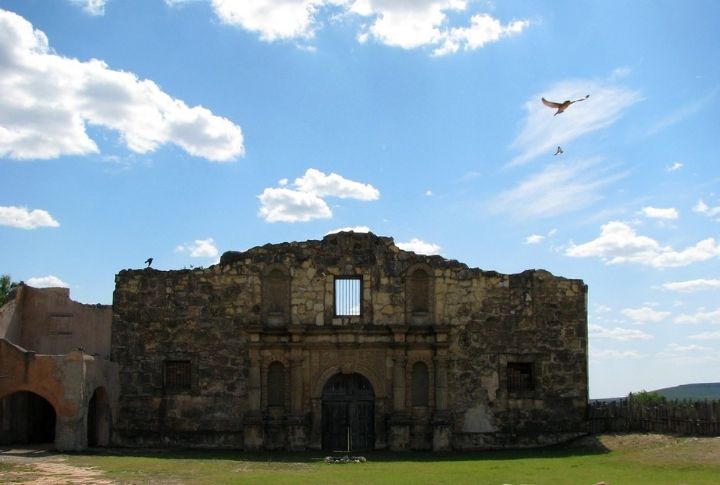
(177, 375)
(348, 296)
(520, 376)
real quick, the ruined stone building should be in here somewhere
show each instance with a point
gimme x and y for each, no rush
(57, 384)
(347, 341)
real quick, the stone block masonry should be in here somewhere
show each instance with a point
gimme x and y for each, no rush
(348, 342)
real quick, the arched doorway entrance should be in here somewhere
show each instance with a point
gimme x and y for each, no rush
(98, 419)
(26, 417)
(348, 413)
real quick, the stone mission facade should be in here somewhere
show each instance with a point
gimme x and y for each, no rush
(348, 343)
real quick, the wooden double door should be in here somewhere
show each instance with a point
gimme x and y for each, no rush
(348, 413)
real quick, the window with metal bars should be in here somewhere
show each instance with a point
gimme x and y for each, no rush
(348, 296)
(177, 375)
(520, 376)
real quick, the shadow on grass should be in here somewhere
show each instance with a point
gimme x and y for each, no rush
(588, 445)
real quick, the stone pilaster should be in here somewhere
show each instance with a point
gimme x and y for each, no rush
(442, 419)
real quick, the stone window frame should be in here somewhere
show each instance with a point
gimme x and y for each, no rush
(270, 318)
(360, 297)
(413, 316)
(276, 390)
(527, 362)
(430, 366)
(265, 387)
(187, 385)
(418, 398)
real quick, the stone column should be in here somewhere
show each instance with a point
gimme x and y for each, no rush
(253, 432)
(442, 419)
(316, 428)
(297, 421)
(399, 422)
(399, 362)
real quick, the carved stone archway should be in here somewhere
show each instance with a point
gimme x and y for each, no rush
(348, 413)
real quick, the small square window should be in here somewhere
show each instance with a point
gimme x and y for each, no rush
(177, 375)
(348, 296)
(520, 376)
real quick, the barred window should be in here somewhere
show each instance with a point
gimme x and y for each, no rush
(177, 375)
(348, 296)
(520, 376)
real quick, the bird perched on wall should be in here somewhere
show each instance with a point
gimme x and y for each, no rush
(561, 106)
(148, 261)
(559, 151)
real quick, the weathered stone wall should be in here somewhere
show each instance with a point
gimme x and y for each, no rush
(275, 304)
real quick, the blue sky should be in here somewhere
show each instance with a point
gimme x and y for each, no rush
(181, 129)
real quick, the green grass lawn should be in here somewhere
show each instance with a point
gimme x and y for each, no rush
(617, 460)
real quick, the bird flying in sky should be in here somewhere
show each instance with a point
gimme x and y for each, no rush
(148, 261)
(561, 106)
(559, 151)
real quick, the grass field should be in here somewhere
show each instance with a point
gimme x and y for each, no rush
(616, 460)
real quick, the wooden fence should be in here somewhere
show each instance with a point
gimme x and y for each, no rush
(701, 418)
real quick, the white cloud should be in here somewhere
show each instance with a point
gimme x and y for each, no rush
(48, 281)
(613, 354)
(557, 189)
(706, 336)
(698, 317)
(684, 111)
(617, 333)
(201, 248)
(660, 213)
(23, 218)
(405, 24)
(48, 100)
(534, 239)
(272, 19)
(675, 166)
(702, 208)
(618, 243)
(287, 205)
(419, 246)
(644, 314)
(93, 7)
(542, 132)
(692, 285)
(305, 202)
(601, 308)
(316, 182)
(429, 193)
(686, 348)
(362, 229)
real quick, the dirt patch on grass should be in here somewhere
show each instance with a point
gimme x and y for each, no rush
(657, 448)
(42, 467)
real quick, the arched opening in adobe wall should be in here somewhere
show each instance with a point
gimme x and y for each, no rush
(26, 418)
(98, 419)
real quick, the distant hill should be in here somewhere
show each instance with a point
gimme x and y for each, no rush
(695, 392)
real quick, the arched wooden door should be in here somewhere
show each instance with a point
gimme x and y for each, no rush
(348, 413)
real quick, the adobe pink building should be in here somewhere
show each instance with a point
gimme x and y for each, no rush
(56, 382)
